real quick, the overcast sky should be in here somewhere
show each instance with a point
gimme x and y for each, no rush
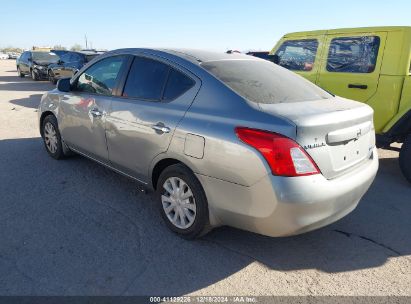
(206, 24)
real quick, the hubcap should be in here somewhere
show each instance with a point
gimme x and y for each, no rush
(50, 137)
(178, 203)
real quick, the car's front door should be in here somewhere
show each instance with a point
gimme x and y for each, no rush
(141, 122)
(83, 110)
(301, 55)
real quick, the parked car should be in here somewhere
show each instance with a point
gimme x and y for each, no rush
(35, 64)
(371, 65)
(69, 64)
(13, 55)
(224, 139)
(4, 56)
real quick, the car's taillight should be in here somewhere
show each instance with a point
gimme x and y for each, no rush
(284, 156)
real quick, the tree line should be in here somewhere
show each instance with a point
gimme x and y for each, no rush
(11, 49)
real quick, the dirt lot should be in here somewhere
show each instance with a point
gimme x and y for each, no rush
(73, 227)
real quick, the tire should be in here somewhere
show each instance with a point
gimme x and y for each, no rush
(51, 78)
(19, 73)
(405, 158)
(51, 137)
(183, 178)
(34, 76)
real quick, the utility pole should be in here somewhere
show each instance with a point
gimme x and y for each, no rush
(85, 37)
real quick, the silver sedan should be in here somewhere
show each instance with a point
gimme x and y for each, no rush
(224, 139)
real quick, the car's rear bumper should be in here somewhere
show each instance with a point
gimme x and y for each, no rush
(281, 206)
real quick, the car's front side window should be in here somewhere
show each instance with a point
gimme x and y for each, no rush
(298, 55)
(100, 78)
(353, 54)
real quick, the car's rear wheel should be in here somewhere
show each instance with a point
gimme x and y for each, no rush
(34, 75)
(19, 73)
(182, 201)
(405, 158)
(51, 137)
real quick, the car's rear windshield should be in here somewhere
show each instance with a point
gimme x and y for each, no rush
(45, 56)
(262, 81)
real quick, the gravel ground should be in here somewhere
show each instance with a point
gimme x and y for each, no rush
(74, 227)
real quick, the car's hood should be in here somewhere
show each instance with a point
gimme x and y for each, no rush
(42, 62)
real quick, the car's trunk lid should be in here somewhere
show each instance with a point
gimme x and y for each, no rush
(337, 133)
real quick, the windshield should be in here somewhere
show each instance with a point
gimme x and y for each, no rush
(264, 82)
(44, 56)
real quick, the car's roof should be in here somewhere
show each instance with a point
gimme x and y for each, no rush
(206, 55)
(193, 55)
(352, 30)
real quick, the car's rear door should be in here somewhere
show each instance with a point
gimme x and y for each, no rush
(142, 121)
(65, 70)
(24, 62)
(84, 109)
(352, 63)
(72, 65)
(58, 68)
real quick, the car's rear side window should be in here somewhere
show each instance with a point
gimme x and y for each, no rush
(153, 80)
(177, 85)
(298, 55)
(262, 81)
(146, 79)
(353, 54)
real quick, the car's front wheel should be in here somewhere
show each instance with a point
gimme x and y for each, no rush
(51, 78)
(182, 201)
(405, 158)
(34, 75)
(51, 137)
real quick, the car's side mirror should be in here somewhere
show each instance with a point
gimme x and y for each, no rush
(63, 85)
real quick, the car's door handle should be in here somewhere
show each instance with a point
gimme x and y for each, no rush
(357, 86)
(96, 112)
(161, 128)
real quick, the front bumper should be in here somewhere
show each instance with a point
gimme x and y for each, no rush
(282, 206)
(41, 72)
